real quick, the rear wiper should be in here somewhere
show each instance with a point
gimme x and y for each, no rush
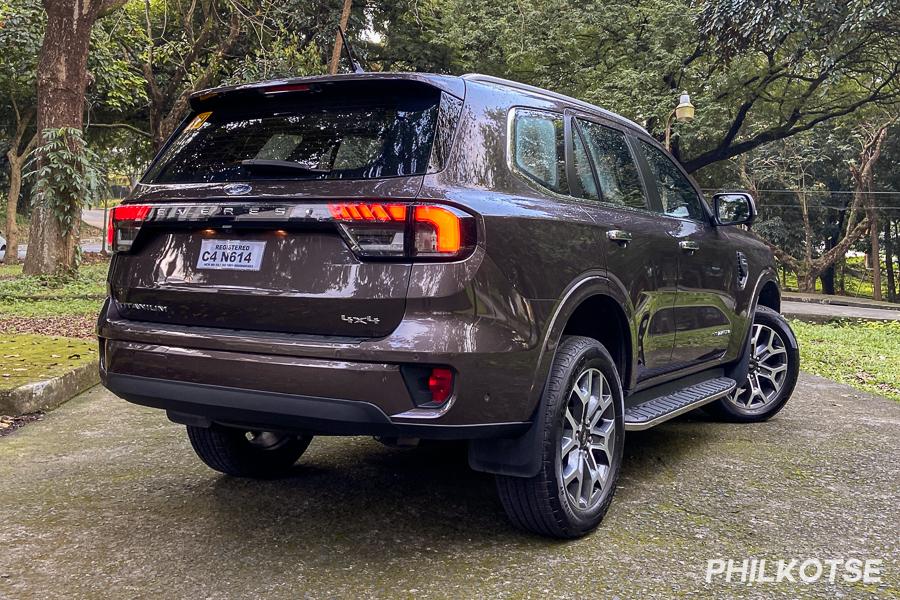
(284, 165)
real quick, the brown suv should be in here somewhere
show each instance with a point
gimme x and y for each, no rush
(418, 256)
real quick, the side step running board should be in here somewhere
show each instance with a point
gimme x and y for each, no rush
(661, 409)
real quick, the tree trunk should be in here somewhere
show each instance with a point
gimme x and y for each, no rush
(61, 82)
(889, 259)
(827, 278)
(12, 200)
(338, 43)
(876, 254)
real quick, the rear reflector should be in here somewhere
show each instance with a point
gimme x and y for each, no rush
(440, 384)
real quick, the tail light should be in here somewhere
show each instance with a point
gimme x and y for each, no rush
(405, 230)
(372, 229)
(124, 223)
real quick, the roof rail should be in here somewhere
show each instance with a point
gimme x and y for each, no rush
(524, 87)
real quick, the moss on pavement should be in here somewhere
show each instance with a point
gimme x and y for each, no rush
(29, 358)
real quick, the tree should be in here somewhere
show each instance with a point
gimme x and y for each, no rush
(21, 30)
(758, 71)
(62, 80)
(182, 46)
(791, 164)
(864, 177)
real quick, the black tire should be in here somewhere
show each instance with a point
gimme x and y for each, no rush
(241, 453)
(731, 408)
(542, 504)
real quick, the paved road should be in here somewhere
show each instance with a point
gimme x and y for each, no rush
(823, 312)
(93, 217)
(105, 499)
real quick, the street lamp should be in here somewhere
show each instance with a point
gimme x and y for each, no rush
(683, 112)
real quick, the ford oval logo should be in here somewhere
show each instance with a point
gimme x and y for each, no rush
(238, 189)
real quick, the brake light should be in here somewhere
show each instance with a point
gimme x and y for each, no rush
(376, 229)
(124, 223)
(440, 384)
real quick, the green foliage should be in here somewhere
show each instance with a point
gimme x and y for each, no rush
(863, 354)
(65, 175)
(284, 56)
(28, 296)
(757, 71)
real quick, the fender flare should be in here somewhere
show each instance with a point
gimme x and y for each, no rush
(521, 456)
(739, 369)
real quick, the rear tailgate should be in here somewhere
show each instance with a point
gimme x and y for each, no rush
(234, 225)
(267, 272)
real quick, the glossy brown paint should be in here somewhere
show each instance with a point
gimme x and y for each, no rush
(495, 317)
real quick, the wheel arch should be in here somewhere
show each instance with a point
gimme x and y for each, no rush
(592, 293)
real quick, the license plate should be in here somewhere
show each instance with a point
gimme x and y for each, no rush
(235, 255)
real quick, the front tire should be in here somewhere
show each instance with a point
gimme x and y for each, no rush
(581, 446)
(772, 376)
(240, 453)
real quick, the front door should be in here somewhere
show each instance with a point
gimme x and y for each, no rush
(707, 265)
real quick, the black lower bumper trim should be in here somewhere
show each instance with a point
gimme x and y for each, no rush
(202, 404)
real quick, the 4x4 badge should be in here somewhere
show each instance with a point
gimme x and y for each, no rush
(361, 320)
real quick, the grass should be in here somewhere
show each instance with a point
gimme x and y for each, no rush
(862, 354)
(25, 358)
(26, 296)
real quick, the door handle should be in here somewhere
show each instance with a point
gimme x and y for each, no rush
(689, 245)
(619, 236)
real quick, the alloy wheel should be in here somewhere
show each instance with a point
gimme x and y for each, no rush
(588, 440)
(767, 373)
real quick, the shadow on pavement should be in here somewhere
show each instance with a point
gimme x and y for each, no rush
(354, 491)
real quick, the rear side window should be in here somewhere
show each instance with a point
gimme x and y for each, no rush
(325, 136)
(539, 148)
(678, 196)
(617, 173)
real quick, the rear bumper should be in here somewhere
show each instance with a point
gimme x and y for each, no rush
(203, 404)
(494, 366)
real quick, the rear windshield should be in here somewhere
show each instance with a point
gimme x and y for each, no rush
(309, 136)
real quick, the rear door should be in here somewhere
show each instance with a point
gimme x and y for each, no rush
(707, 264)
(637, 242)
(241, 230)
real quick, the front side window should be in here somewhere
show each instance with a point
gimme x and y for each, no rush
(617, 173)
(678, 196)
(539, 148)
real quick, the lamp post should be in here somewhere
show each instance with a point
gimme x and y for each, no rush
(683, 112)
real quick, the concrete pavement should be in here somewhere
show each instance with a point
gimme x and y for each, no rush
(815, 311)
(105, 499)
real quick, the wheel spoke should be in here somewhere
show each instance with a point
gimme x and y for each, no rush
(571, 470)
(568, 444)
(570, 420)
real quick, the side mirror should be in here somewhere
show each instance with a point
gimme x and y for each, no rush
(734, 208)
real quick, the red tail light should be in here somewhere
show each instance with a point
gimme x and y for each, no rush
(124, 224)
(381, 230)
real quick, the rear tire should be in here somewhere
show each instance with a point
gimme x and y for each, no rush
(241, 453)
(581, 446)
(774, 367)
